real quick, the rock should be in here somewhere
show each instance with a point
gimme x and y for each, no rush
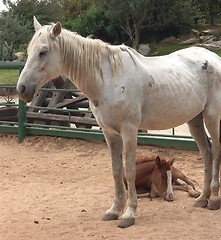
(190, 41)
(20, 56)
(170, 39)
(144, 49)
(207, 39)
(215, 45)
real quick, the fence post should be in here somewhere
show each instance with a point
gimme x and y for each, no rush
(21, 121)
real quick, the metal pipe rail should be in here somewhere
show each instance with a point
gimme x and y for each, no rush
(23, 128)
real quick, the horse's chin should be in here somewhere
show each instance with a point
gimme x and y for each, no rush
(26, 100)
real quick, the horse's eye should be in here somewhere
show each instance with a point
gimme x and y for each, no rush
(42, 53)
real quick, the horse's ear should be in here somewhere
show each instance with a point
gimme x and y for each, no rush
(158, 162)
(37, 25)
(56, 30)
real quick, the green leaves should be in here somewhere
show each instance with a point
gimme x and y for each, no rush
(14, 34)
(18, 22)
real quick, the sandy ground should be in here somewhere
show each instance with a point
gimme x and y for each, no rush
(57, 188)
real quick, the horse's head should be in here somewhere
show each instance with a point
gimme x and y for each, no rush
(44, 60)
(162, 178)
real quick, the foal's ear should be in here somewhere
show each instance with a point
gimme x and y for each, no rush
(37, 25)
(158, 162)
(171, 161)
(56, 30)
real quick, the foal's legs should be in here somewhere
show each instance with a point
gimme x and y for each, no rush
(197, 131)
(115, 145)
(213, 126)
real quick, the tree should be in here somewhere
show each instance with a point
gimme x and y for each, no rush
(214, 8)
(129, 14)
(172, 16)
(84, 17)
(90, 22)
(137, 18)
(14, 34)
(45, 10)
(74, 8)
(17, 21)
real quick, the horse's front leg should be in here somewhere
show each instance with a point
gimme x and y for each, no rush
(115, 146)
(129, 136)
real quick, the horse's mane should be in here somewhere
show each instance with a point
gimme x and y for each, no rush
(83, 56)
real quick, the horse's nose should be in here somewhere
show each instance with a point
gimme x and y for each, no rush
(21, 89)
(26, 93)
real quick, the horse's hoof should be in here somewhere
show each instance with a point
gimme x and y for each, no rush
(200, 203)
(110, 217)
(126, 222)
(214, 203)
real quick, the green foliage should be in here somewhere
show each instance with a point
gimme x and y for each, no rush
(14, 34)
(115, 21)
(18, 22)
(92, 22)
(89, 22)
(46, 10)
(140, 18)
(165, 48)
(128, 14)
(74, 8)
(171, 17)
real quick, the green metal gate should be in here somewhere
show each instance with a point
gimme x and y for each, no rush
(23, 128)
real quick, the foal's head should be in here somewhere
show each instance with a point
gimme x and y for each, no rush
(162, 178)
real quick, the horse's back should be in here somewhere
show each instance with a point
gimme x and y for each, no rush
(178, 87)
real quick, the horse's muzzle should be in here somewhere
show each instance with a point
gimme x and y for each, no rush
(25, 93)
(168, 196)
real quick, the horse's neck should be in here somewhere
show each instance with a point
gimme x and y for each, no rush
(82, 60)
(147, 164)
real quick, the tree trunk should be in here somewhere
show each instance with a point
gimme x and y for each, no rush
(211, 13)
(136, 40)
(11, 52)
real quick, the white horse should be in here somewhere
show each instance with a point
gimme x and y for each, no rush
(128, 92)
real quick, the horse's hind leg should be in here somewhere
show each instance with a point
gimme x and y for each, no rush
(213, 125)
(197, 131)
(115, 145)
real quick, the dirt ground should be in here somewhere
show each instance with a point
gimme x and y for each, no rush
(57, 188)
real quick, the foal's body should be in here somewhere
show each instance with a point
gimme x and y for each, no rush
(128, 92)
(148, 185)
